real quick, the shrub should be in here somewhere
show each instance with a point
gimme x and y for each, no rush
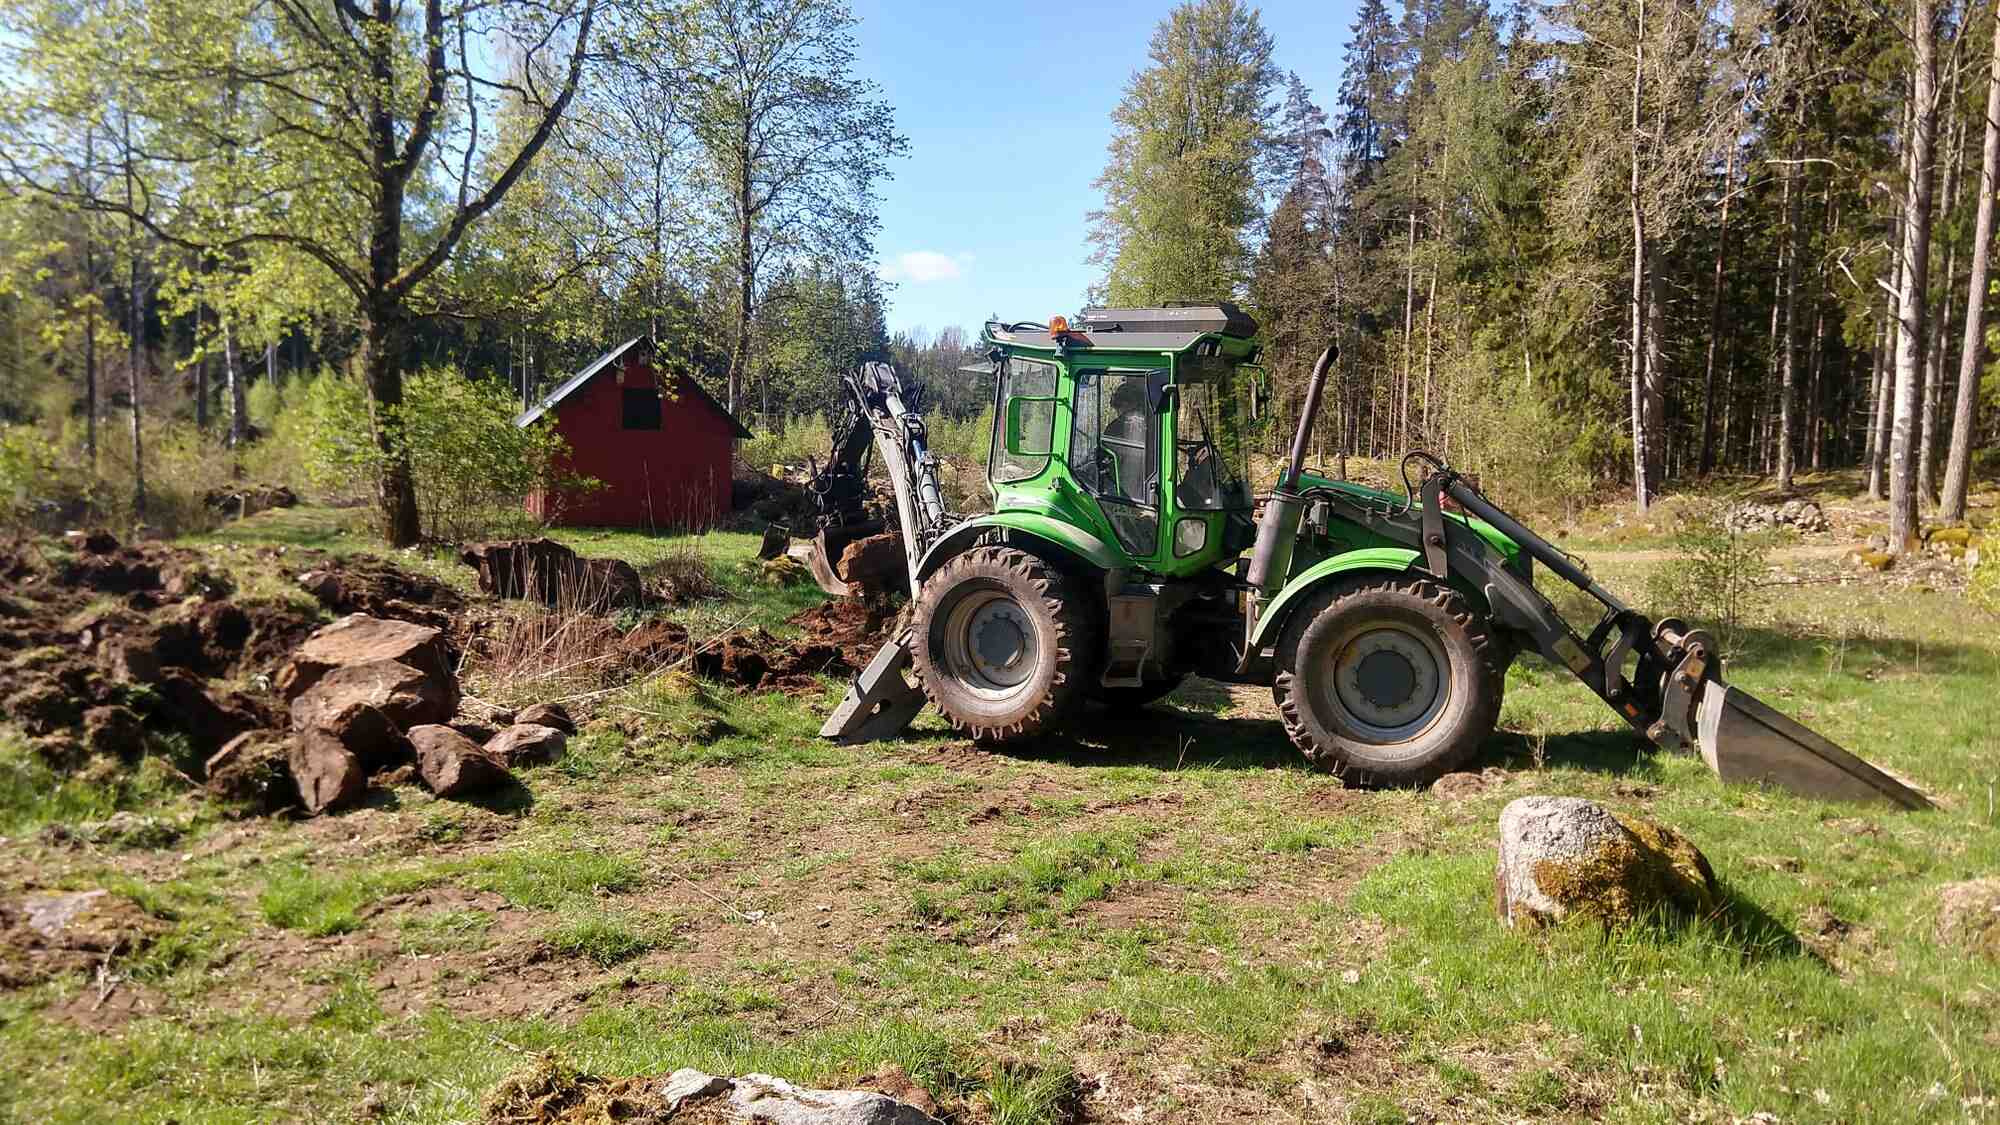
(786, 441)
(34, 482)
(1716, 573)
(470, 464)
(1984, 588)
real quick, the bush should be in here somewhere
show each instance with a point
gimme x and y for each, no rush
(470, 465)
(786, 441)
(1984, 588)
(1717, 572)
(34, 483)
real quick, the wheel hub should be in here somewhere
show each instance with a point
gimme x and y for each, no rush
(989, 643)
(1000, 642)
(1389, 680)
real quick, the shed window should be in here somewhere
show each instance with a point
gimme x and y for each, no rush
(642, 408)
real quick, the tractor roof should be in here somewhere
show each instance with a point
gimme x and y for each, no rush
(1173, 328)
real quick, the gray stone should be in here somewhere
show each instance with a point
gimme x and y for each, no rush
(527, 744)
(772, 1100)
(408, 696)
(359, 639)
(452, 765)
(1565, 856)
(548, 715)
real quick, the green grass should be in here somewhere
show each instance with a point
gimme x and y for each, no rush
(1168, 905)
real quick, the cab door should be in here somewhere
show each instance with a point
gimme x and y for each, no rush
(1114, 450)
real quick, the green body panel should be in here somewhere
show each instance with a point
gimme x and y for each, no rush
(1507, 548)
(1386, 560)
(1056, 529)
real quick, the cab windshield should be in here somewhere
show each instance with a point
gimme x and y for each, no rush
(1211, 446)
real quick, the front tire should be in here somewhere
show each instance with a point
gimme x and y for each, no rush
(1001, 642)
(1388, 681)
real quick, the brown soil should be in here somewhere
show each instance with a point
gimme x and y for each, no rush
(103, 642)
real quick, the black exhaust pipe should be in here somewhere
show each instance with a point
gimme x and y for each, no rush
(1278, 532)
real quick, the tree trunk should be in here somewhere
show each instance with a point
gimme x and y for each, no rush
(746, 269)
(1707, 462)
(1958, 463)
(1916, 251)
(138, 330)
(1643, 455)
(382, 346)
(1789, 363)
(232, 385)
(1934, 369)
(90, 312)
(1409, 333)
(200, 377)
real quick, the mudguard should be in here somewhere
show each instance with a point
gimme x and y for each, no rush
(1063, 536)
(1385, 560)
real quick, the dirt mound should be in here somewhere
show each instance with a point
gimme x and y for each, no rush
(775, 500)
(837, 638)
(381, 589)
(103, 645)
(49, 934)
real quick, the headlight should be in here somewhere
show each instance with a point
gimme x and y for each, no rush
(1190, 535)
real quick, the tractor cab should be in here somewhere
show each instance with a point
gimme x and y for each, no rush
(1132, 423)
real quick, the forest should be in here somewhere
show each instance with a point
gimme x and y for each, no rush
(1581, 247)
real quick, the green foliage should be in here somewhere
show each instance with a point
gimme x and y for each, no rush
(786, 441)
(471, 464)
(1181, 185)
(1984, 586)
(1715, 573)
(32, 477)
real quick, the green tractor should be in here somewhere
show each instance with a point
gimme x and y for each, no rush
(1124, 553)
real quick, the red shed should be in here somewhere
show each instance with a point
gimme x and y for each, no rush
(664, 452)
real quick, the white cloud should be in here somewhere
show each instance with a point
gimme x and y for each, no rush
(922, 266)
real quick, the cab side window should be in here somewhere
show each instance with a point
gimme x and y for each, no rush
(1027, 393)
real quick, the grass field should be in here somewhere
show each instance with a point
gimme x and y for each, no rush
(1165, 919)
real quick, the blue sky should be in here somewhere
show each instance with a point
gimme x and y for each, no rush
(1008, 111)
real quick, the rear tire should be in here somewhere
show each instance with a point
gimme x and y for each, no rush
(1002, 643)
(1388, 681)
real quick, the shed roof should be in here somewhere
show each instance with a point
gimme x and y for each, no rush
(594, 367)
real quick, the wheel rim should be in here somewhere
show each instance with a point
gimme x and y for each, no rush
(1389, 681)
(990, 643)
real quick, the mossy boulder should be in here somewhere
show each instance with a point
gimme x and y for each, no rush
(1564, 857)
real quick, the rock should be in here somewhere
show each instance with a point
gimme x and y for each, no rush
(369, 733)
(453, 765)
(1969, 916)
(479, 732)
(328, 774)
(765, 1098)
(251, 771)
(548, 715)
(409, 697)
(875, 564)
(359, 639)
(895, 1082)
(194, 580)
(1566, 856)
(527, 744)
(115, 731)
(784, 571)
(544, 570)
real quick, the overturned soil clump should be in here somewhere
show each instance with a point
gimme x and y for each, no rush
(105, 646)
(837, 638)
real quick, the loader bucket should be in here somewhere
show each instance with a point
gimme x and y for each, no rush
(822, 555)
(1745, 740)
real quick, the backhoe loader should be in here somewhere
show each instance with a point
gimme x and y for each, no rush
(1124, 553)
